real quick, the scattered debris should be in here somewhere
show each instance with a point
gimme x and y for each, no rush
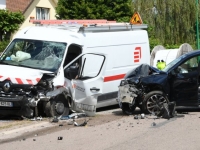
(82, 124)
(55, 119)
(60, 125)
(142, 116)
(34, 139)
(136, 117)
(153, 124)
(36, 119)
(167, 110)
(73, 116)
(60, 138)
(70, 123)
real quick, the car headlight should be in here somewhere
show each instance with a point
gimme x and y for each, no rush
(123, 82)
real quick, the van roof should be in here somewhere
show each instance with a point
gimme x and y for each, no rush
(43, 32)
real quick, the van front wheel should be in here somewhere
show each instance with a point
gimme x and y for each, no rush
(57, 107)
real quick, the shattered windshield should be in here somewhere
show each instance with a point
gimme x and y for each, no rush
(45, 55)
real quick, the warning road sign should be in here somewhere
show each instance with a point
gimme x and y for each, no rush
(136, 19)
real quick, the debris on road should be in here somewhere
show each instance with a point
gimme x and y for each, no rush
(82, 124)
(136, 117)
(153, 124)
(55, 119)
(36, 119)
(73, 116)
(167, 110)
(60, 138)
(142, 116)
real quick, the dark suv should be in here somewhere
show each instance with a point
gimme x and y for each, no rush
(148, 88)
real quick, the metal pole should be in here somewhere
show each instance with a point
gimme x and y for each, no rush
(197, 21)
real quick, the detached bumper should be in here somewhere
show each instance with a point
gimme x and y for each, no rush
(20, 107)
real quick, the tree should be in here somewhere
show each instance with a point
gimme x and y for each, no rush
(119, 10)
(171, 22)
(10, 22)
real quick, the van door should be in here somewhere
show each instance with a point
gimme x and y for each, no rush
(87, 84)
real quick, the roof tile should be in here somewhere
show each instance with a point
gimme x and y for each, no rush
(18, 5)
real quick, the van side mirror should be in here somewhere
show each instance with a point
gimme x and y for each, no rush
(71, 72)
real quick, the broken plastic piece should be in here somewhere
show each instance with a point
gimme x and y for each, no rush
(82, 124)
(36, 118)
(55, 119)
(73, 116)
(142, 116)
(153, 124)
(135, 117)
(60, 138)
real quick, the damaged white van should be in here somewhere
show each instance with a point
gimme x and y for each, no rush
(52, 70)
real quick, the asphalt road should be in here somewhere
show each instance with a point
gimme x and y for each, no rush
(109, 130)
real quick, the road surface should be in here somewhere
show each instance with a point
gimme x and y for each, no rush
(109, 130)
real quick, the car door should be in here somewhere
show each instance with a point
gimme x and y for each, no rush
(185, 83)
(87, 84)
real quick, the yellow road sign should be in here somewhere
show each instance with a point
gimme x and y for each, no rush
(136, 19)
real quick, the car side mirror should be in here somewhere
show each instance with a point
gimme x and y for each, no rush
(173, 73)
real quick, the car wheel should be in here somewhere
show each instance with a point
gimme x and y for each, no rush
(128, 109)
(153, 101)
(57, 107)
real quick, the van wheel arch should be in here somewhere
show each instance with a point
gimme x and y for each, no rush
(57, 106)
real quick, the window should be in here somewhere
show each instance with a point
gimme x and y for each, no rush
(188, 66)
(42, 13)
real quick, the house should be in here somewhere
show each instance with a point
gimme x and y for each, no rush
(33, 9)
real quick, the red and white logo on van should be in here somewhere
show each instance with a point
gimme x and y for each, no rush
(137, 54)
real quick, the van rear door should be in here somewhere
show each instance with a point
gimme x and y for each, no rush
(88, 82)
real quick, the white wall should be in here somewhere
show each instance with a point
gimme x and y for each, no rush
(2, 4)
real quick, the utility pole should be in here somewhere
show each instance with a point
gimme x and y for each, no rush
(197, 22)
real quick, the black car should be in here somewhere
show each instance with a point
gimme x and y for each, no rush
(148, 88)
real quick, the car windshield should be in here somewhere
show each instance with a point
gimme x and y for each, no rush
(174, 62)
(44, 55)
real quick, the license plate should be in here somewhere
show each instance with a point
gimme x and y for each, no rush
(6, 104)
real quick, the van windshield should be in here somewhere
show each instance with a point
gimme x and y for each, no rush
(44, 55)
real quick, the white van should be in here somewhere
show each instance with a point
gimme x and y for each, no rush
(50, 70)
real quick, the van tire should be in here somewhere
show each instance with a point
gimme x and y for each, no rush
(153, 102)
(127, 109)
(57, 107)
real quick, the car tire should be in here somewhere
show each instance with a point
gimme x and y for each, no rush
(57, 107)
(128, 109)
(153, 101)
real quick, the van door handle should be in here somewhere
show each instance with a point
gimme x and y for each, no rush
(94, 89)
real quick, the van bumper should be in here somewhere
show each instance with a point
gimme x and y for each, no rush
(19, 106)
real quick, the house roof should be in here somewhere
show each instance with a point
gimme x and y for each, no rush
(18, 5)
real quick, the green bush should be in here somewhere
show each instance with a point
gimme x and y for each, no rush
(3, 45)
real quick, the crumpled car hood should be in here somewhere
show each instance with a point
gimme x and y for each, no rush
(141, 71)
(147, 75)
(20, 75)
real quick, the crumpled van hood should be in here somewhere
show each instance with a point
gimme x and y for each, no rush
(20, 75)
